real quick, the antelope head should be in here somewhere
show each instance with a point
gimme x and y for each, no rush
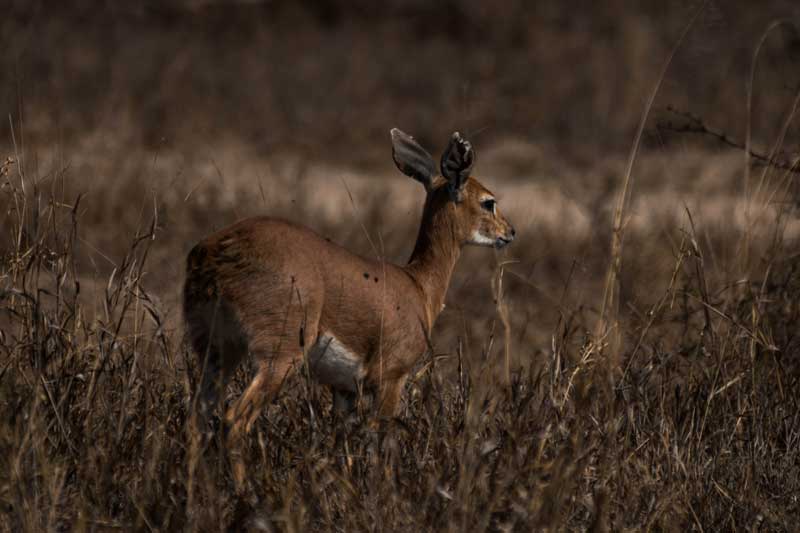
(455, 198)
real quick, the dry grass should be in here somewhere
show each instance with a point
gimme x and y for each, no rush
(697, 426)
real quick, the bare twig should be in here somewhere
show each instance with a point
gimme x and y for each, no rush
(694, 124)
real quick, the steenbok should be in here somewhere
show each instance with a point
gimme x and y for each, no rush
(283, 295)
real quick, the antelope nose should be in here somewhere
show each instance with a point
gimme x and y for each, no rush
(513, 232)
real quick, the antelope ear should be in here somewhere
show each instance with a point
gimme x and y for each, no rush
(457, 161)
(411, 158)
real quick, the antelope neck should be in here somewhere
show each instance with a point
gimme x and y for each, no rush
(434, 257)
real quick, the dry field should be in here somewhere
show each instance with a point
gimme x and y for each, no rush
(557, 396)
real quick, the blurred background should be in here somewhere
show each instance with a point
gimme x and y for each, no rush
(195, 113)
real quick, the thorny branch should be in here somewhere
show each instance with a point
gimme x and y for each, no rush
(695, 124)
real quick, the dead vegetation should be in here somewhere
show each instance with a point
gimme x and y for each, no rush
(696, 425)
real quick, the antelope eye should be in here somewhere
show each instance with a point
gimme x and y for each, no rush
(488, 205)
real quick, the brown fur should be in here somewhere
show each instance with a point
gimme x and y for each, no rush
(270, 288)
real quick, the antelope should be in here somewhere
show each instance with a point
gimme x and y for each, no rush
(283, 295)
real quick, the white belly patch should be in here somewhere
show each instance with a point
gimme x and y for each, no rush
(332, 363)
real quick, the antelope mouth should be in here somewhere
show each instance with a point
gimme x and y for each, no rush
(502, 242)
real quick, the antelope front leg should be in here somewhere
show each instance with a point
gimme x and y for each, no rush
(389, 397)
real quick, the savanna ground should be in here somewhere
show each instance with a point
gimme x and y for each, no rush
(631, 362)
